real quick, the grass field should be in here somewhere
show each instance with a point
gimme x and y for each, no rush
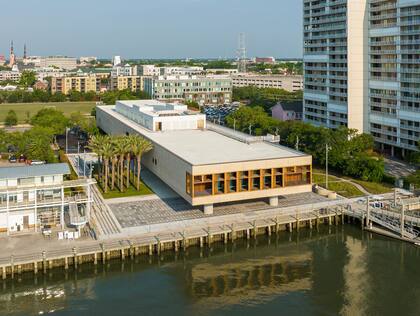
(21, 109)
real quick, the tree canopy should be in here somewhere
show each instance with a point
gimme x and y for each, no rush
(350, 153)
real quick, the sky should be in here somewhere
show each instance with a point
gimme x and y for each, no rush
(152, 28)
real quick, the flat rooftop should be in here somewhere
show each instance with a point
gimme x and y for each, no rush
(34, 171)
(205, 147)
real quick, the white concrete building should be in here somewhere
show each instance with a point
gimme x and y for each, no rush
(62, 62)
(207, 164)
(36, 197)
(158, 116)
(148, 70)
(288, 83)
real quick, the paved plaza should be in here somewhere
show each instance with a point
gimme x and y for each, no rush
(156, 211)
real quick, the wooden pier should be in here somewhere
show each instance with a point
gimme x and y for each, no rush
(150, 244)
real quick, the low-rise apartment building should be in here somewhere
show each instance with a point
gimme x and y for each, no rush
(288, 83)
(206, 164)
(200, 89)
(64, 85)
(37, 197)
(133, 83)
(10, 75)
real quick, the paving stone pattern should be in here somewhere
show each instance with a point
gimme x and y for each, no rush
(133, 214)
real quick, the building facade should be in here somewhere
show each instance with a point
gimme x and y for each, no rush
(133, 83)
(335, 63)
(37, 197)
(200, 89)
(10, 75)
(64, 85)
(394, 85)
(206, 164)
(361, 69)
(62, 62)
(288, 83)
(287, 111)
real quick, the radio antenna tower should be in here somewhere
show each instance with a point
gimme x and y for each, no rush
(242, 54)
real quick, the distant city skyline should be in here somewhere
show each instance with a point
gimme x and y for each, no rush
(158, 29)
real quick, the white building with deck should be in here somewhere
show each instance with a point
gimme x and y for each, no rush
(36, 197)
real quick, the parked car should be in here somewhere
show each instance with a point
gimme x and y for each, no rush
(12, 159)
(22, 158)
(37, 162)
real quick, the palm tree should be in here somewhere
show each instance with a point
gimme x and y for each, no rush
(142, 146)
(95, 144)
(107, 153)
(121, 150)
(114, 161)
(131, 142)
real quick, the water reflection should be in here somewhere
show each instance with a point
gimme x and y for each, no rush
(333, 271)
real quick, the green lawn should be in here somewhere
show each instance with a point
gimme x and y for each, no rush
(374, 188)
(371, 187)
(144, 190)
(22, 108)
(345, 189)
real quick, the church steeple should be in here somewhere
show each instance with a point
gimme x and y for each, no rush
(24, 51)
(12, 55)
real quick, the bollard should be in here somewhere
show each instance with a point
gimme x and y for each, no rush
(74, 257)
(103, 254)
(44, 265)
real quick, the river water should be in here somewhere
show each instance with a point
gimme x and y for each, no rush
(334, 271)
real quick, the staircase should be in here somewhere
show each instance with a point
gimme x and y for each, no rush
(104, 220)
(394, 224)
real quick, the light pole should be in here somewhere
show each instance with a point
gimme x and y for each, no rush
(67, 145)
(327, 149)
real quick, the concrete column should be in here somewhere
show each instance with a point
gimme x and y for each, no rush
(35, 267)
(89, 203)
(95, 259)
(36, 210)
(7, 215)
(150, 249)
(3, 273)
(201, 242)
(274, 201)
(208, 209)
(62, 208)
